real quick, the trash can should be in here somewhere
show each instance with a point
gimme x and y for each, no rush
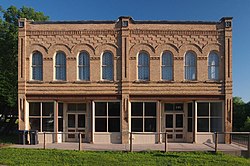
(33, 137)
(23, 137)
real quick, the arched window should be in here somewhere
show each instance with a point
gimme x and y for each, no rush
(143, 66)
(167, 66)
(190, 66)
(60, 66)
(213, 66)
(83, 66)
(37, 66)
(107, 66)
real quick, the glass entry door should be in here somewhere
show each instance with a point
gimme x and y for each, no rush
(76, 123)
(174, 126)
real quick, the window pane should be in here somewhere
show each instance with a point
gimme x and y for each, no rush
(190, 66)
(150, 109)
(60, 66)
(114, 125)
(60, 109)
(179, 121)
(81, 107)
(216, 124)
(60, 124)
(136, 109)
(48, 124)
(35, 124)
(72, 107)
(203, 109)
(169, 107)
(143, 66)
(190, 124)
(114, 108)
(213, 66)
(37, 66)
(169, 121)
(83, 66)
(71, 121)
(48, 109)
(81, 121)
(167, 66)
(137, 124)
(216, 109)
(202, 125)
(190, 109)
(107, 66)
(100, 124)
(100, 109)
(34, 109)
(150, 124)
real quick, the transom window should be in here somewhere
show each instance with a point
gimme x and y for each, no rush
(213, 66)
(143, 116)
(167, 66)
(37, 66)
(190, 66)
(107, 66)
(209, 116)
(60, 66)
(107, 116)
(83, 66)
(143, 66)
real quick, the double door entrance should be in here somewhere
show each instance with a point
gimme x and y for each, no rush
(174, 126)
(76, 123)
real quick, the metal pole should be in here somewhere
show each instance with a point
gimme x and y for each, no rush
(166, 141)
(43, 140)
(131, 140)
(80, 140)
(216, 142)
(248, 145)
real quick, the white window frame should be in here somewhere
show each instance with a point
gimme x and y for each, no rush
(36, 66)
(215, 66)
(56, 66)
(112, 66)
(187, 66)
(167, 66)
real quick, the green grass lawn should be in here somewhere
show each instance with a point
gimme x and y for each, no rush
(13, 156)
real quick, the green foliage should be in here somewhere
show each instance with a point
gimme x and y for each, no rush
(246, 126)
(9, 52)
(241, 111)
(11, 156)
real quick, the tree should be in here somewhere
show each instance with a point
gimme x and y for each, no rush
(9, 52)
(241, 111)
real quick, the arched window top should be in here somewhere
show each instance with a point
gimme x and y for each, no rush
(83, 58)
(190, 58)
(143, 58)
(167, 58)
(213, 59)
(107, 66)
(37, 66)
(107, 58)
(60, 58)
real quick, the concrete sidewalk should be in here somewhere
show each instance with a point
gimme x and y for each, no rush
(137, 147)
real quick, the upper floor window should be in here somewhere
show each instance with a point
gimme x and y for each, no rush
(83, 66)
(213, 66)
(37, 66)
(167, 66)
(190, 66)
(60, 66)
(143, 66)
(107, 66)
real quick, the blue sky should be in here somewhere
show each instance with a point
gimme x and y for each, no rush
(211, 10)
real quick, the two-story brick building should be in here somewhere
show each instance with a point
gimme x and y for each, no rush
(108, 78)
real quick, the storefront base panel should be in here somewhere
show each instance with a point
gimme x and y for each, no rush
(107, 138)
